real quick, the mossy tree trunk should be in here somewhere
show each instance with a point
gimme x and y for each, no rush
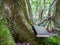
(20, 28)
(5, 35)
(29, 11)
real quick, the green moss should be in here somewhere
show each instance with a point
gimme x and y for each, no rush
(5, 35)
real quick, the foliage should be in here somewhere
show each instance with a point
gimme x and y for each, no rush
(41, 6)
(5, 35)
(21, 20)
(49, 41)
(37, 7)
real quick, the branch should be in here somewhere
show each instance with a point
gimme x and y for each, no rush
(49, 12)
(50, 17)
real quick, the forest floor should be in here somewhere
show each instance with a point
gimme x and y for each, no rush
(23, 44)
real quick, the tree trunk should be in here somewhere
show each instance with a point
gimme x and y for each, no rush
(29, 10)
(5, 36)
(18, 21)
(57, 18)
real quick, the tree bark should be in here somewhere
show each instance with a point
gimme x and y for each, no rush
(57, 16)
(18, 21)
(29, 11)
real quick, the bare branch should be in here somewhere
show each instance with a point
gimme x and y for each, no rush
(50, 17)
